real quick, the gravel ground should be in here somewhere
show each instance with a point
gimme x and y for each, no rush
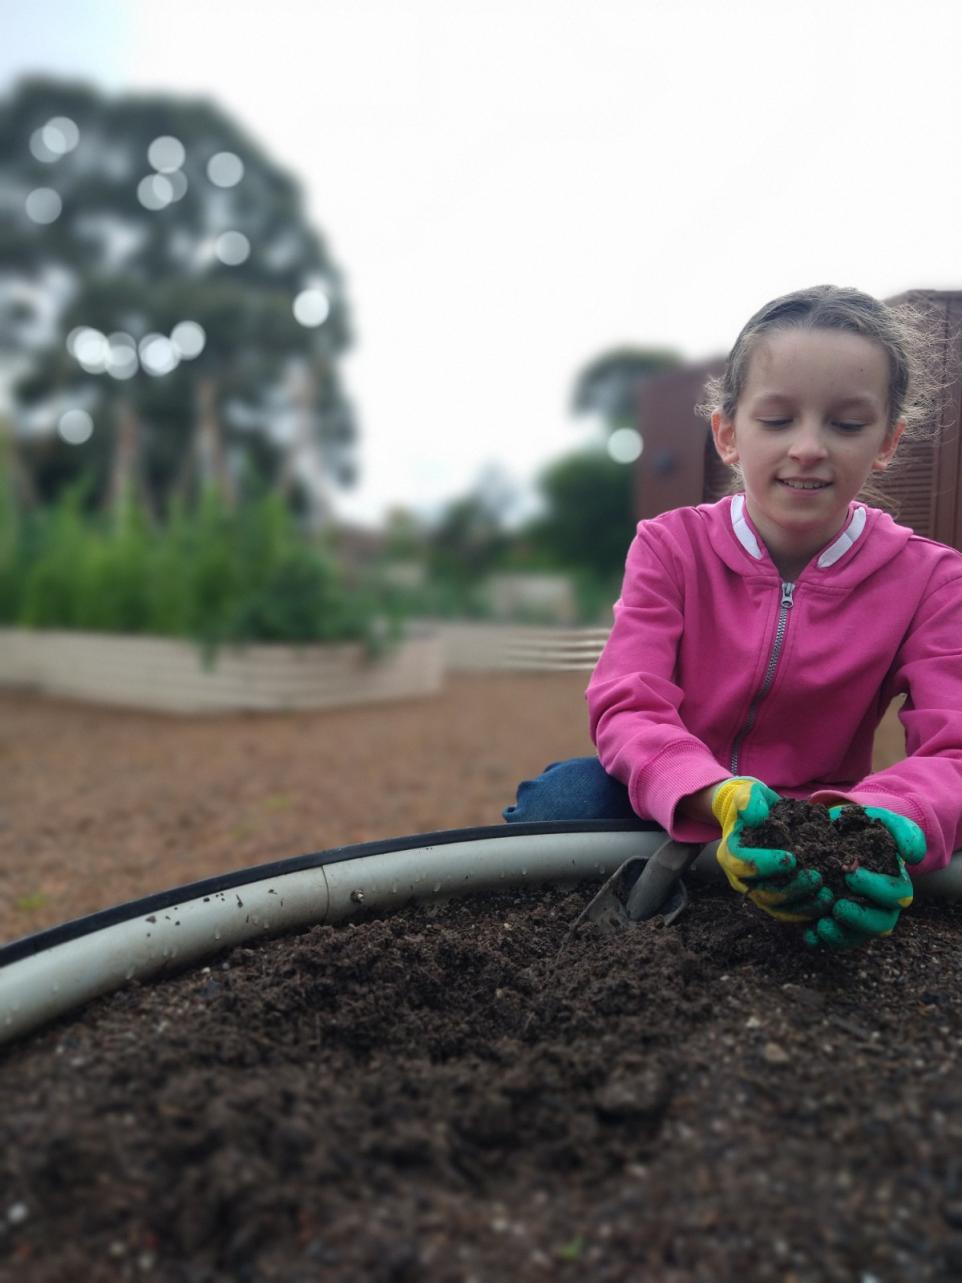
(98, 806)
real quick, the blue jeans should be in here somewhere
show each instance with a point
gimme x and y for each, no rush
(578, 789)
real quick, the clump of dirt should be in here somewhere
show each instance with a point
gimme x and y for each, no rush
(853, 841)
(448, 1096)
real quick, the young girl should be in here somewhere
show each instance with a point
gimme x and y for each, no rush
(758, 641)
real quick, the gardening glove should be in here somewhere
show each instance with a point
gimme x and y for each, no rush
(849, 923)
(768, 878)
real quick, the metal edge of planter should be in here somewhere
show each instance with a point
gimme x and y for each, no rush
(58, 970)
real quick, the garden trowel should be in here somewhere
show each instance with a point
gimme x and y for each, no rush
(643, 887)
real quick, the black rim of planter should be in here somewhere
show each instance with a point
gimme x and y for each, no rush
(74, 929)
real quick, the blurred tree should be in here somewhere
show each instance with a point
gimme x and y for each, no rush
(608, 386)
(404, 533)
(127, 217)
(589, 515)
(468, 539)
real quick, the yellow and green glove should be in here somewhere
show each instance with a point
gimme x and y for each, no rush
(848, 923)
(770, 879)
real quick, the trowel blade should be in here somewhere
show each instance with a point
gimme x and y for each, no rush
(608, 910)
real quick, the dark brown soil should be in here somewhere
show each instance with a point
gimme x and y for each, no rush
(442, 1096)
(853, 841)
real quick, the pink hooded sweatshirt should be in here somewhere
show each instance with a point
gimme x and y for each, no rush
(714, 667)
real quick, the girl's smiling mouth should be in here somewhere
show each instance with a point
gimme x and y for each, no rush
(797, 483)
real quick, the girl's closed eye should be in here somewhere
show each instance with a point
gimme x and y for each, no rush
(844, 426)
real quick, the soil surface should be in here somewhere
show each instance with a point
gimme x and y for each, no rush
(853, 841)
(467, 1093)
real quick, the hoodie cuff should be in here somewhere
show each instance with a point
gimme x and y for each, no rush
(902, 806)
(659, 788)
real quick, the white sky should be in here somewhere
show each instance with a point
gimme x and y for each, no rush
(513, 186)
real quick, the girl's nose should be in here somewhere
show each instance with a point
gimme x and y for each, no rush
(807, 443)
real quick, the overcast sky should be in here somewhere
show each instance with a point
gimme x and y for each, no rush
(513, 186)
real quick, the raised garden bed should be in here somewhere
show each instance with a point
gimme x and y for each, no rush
(174, 676)
(465, 1092)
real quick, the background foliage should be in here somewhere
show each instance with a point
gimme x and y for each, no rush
(112, 264)
(213, 574)
(195, 507)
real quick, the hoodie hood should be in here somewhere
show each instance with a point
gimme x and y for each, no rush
(869, 540)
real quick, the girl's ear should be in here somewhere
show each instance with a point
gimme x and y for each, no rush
(723, 432)
(884, 456)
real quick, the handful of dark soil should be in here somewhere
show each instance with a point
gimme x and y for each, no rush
(854, 841)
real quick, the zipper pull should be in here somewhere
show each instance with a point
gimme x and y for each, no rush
(787, 592)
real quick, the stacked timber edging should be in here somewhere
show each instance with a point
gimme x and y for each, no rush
(171, 676)
(471, 647)
(553, 650)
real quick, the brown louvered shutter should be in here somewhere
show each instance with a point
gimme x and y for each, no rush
(947, 502)
(910, 487)
(923, 483)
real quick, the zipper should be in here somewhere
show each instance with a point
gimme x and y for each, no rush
(784, 606)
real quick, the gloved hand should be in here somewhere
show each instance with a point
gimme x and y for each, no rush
(766, 877)
(850, 924)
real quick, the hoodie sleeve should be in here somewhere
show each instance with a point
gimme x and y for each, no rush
(926, 786)
(633, 699)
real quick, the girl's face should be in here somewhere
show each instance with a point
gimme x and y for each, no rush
(810, 427)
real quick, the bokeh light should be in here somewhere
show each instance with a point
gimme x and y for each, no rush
(121, 356)
(75, 427)
(232, 248)
(166, 154)
(311, 307)
(158, 355)
(54, 139)
(60, 135)
(225, 169)
(39, 149)
(155, 191)
(43, 205)
(625, 445)
(188, 338)
(73, 336)
(90, 348)
(178, 183)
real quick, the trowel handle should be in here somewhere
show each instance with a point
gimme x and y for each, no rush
(659, 876)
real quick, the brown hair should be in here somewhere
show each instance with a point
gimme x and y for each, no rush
(902, 331)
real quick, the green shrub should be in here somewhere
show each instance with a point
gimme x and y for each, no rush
(298, 599)
(215, 575)
(114, 576)
(55, 552)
